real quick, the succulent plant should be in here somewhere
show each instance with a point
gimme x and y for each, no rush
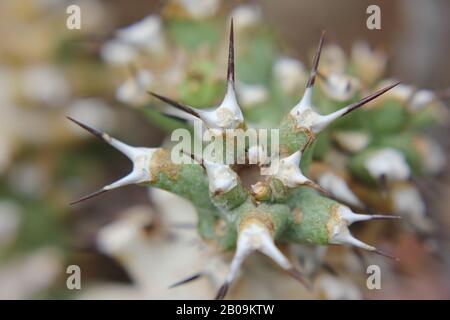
(337, 163)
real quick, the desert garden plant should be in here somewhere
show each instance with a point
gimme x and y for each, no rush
(347, 148)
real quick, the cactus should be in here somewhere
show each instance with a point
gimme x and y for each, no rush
(338, 162)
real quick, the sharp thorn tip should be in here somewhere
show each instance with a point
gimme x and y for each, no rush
(312, 76)
(89, 196)
(89, 129)
(369, 98)
(296, 274)
(384, 254)
(222, 292)
(186, 280)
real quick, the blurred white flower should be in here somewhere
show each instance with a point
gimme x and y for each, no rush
(338, 288)
(200, 9)
(352, 141)
(28, 179)
(94, 111)
(368, 64)
(340, 87)
(134, 90)
(408, 202)
(45, 84)
(118, 53)
(339, 188)
(290, 74)
(402, 92)
(146, 34)
(116, 236)
(333, 59)
(251, 94)
(421, 99)
(433, 156)
(25, 276)
(388, 162)
(246, 16)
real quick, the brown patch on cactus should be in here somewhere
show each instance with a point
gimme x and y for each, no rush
(225, 117)
(298, 215)
(257, 217)
(308, 132)
(334, 220)
(161, 163)
(298, 129)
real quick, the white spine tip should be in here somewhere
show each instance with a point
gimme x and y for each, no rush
(288, 171)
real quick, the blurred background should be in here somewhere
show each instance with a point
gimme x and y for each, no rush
(48, 72)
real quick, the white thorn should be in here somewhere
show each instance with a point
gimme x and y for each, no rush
(239, 257)
(269, 249)
(339, 233)
(227, 115)
(255, 237)
(351, 240)
(323, 121)
(350, 217)
(139, 156)
(133, 177)
(340, 87)
(346, 238)
(307, 117)
(171, 111)
(304, 103)
(248, 241)
(289, 171)
(221, 177)
(127, 150)
(339, 188)
(230, 101)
